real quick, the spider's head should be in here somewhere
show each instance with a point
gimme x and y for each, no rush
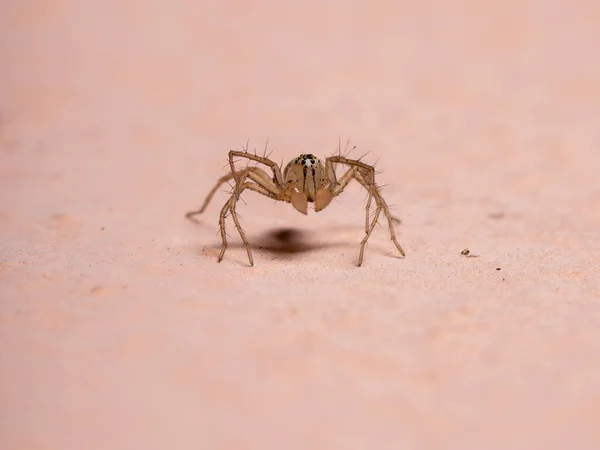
(309, 182)
(307, 160)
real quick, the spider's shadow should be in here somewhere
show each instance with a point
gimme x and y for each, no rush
(285, 241)
(289, 241)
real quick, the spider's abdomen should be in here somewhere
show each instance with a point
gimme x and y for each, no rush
(307, 175)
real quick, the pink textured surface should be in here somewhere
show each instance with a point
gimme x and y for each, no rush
(118, 329)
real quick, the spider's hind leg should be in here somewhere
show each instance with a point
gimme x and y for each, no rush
(210, 195)
(252, 172)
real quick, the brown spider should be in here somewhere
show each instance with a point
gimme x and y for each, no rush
(305, 179)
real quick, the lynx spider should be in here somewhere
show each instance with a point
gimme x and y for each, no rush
(305, 179)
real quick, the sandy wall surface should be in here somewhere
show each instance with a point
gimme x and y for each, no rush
(119, 330)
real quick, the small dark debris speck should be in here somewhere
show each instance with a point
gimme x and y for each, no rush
(497, 268)
(466, 252)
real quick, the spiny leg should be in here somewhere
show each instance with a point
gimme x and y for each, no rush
(343, 181)
(381, 206)
(349, 176)
(368, 213)
(222, 217)
(353, 163)
(241, 231)
(230, 207)
(365, 175)
(278, 177)
(368, 231)
(255, 170)
(393, 218)
(210, 195)
(260, 189)
(257, 188)
(262, 180)
(368, 218)
(341, 185)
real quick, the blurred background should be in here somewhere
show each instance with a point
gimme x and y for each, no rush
(152, 96)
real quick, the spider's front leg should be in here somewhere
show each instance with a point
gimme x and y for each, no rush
(277, 175)
(365, 175)
(260, 183)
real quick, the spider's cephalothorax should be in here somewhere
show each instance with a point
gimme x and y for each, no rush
(304, 180)
(308, 181)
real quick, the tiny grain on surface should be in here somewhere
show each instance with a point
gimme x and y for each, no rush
(118, 329)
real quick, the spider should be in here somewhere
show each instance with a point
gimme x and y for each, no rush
(305, 179)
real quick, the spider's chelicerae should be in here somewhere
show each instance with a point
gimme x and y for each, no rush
(306, 179)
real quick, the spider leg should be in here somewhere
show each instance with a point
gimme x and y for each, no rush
(341, 185)
(365, 175)
(222, 217)
(258, 184)
(255, 170)
(239, 228)
(277, 175)
(210, 195)
(260, 189)
(368, 213)
(381, 206)
(368, 227)
(262, 180)
(343, 182)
